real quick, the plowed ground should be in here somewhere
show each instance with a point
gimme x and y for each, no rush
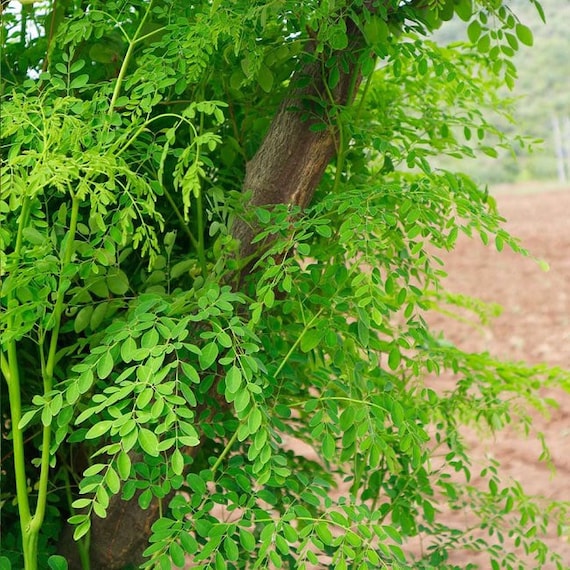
(534, 327)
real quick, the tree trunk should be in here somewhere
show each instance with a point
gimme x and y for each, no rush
(286, 169)
(292, 158)
(117, 540)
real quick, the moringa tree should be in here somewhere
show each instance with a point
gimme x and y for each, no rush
(220, 223)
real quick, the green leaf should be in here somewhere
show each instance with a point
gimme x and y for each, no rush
(254, 420)
(231, 549)
(422, 66)
(324, 533)
(112, 480)
(148, 441)
(394, 358)
(177, 462)
(117, 281)
(144, 398)
(77, 66)
(524, 34)
(82, 529)
(98, 315)
(329, 447)
(474, 31)
(145, 498)
(233, 380)
(484, 43)
(464, 9)
(124, 465)
(188, 542)
(265, 78)
(324, 231)
(220, 563)
(150, 338)
(287, 283)
(181, 268)
(104, 53)
(79, 81)
(263, 215)
(318, 127)
(311, 339)
(269, 298)
(190, 441)
(247, 540)
(83, 318)
(99, 429)
(190, 372)
(334, 77)
(208, 355)
(79, 504)
(27, 418)
(393, 533)
(196, 483)
(56, 562)
(512, 40)
(105, 365)
(177, 555)
(376, 31)
(338, 38)
(128, 349)
(490, 151)
(241, 400)
(540, 11)
(98, 286)
(33, 236)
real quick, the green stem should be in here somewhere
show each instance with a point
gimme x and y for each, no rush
(178, 214)
(343, 143)
(201, 250)
(340, 156)
(48, 372)
(24, 25)
(127, 60)
(364, 94)
(52, 29)
(82, 543)
(296, 343)
(13, 380)
(200, 212)
(233, 439)
(11, 373)
(117, 149)
(224, 452)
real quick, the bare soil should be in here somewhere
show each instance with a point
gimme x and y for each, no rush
(534, 327)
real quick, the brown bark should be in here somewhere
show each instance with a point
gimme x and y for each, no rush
(117, 540)
(290, 163)
(286, 169)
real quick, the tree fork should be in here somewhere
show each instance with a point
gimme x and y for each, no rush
(286, 169)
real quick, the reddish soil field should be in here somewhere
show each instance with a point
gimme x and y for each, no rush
(534, 327)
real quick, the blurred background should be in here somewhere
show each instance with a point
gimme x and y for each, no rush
(541, 101)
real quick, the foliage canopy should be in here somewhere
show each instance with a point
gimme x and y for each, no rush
(147, 357)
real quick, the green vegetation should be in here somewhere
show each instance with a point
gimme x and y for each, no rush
(219, 230)
(539, 97)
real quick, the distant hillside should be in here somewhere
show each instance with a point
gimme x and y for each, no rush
(542, 92)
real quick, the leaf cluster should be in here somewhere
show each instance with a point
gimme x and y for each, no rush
(132, 336)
